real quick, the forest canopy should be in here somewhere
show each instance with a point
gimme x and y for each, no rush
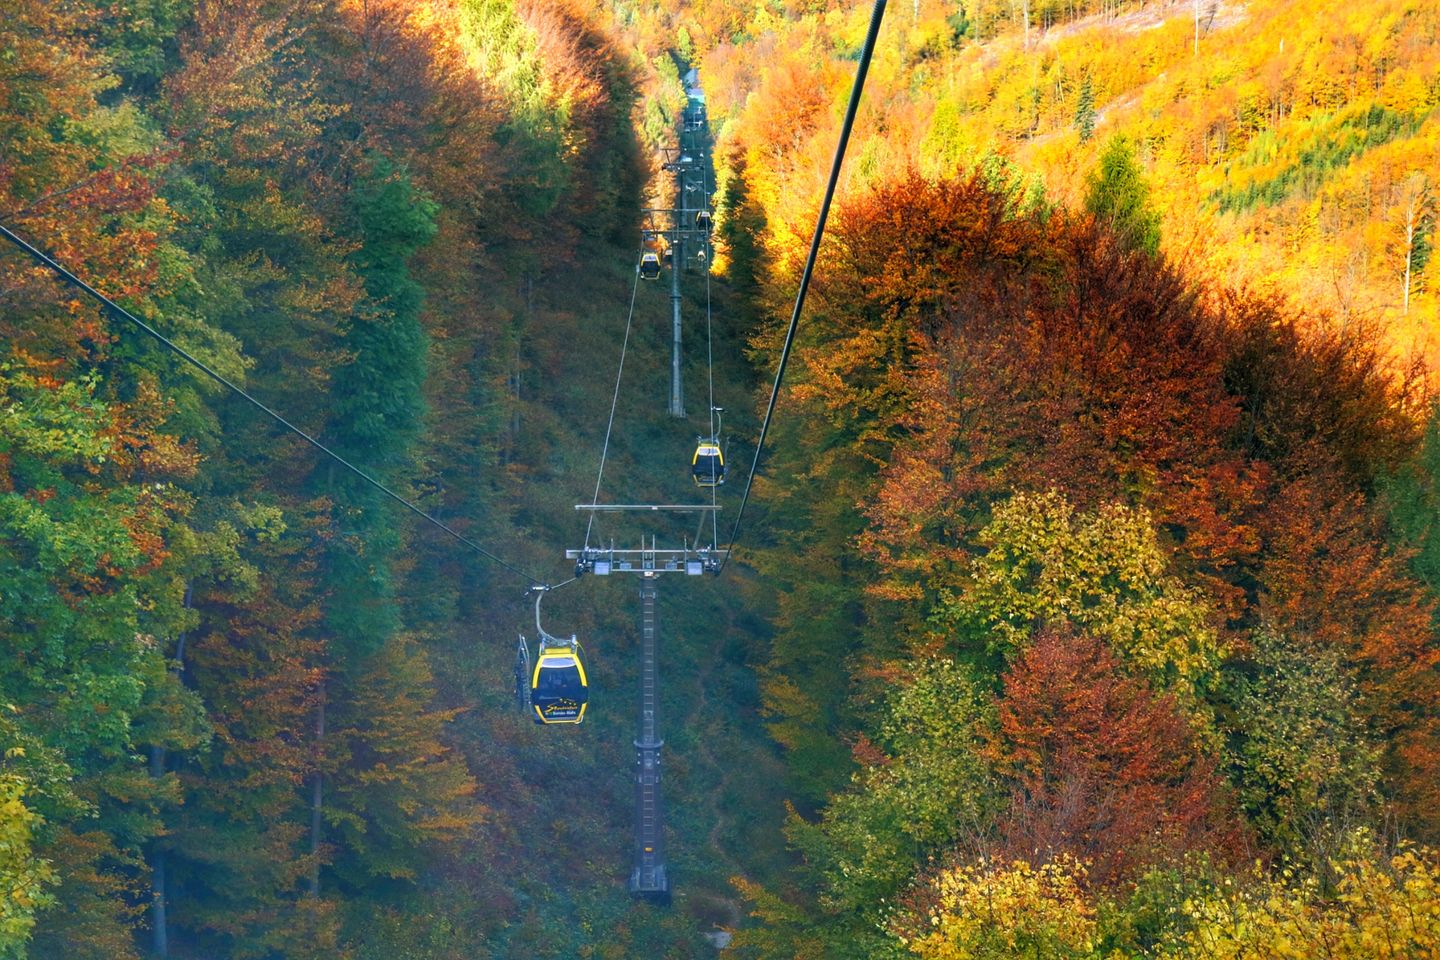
(1088, 604)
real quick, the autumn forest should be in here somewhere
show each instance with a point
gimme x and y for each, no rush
(1087, 605)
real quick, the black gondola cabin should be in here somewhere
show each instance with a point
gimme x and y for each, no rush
(650, 265)
(708, 464)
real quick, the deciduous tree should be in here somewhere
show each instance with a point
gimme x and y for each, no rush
(1102, 768)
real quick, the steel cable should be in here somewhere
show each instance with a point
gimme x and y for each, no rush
(710, 355)
(615, 399)
(850, 111)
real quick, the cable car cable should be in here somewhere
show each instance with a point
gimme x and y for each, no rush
(709, 338)
(115, 309)
(851, 109)
(710, 356)
(615, 400)
(714, 487)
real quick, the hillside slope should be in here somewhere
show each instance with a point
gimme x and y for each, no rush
(1291, 144)
(251, 709)
(1101, 528)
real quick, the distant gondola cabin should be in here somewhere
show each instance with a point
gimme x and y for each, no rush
(650, 265)
(702, 222)
(708, 464)
(559, 689)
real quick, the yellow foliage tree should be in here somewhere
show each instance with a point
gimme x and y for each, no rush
(23, 876)
(1251, 120)
(1375, 909)
(1103, 573)
(988, 910)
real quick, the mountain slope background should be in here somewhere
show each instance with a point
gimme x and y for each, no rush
(1289, 145)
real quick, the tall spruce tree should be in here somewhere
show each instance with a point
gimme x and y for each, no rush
(1085, 109)
(377, 402)
(1414, 495)
(377, 407)
(1118, 193)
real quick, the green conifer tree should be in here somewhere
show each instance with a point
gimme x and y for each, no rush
(377, 401)
(1414, 496)
(1085, 109)
(1118, 193)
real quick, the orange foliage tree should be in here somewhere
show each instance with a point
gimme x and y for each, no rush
(1101, 767)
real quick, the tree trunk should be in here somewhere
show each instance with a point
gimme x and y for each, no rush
(1409, 256)
(317, 796)
(159, 924)
(159, 892)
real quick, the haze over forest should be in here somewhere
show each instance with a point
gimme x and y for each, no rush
(1085, 604)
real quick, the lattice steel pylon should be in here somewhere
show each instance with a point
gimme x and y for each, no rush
(649, 878)
(680, 230)
(688, 162)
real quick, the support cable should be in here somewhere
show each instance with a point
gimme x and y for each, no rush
(615, 399)
(851, 109)
(114, 309)
(709, 338)
(710, 342)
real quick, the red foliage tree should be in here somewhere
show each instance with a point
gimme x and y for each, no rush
(1330, 580)
(1102, 768)
(241, 832)
(1029, 351)
(84, 200)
